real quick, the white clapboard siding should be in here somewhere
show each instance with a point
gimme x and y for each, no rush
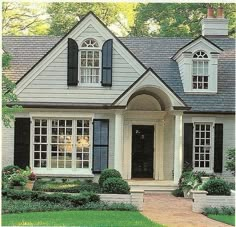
(51, 84)
(228, 131)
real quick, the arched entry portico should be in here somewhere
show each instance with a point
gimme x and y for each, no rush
(150, 112)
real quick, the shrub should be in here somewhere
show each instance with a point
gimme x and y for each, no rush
(18, 179)
(178, 193)
(90, 187)
(11, 169)
(75, 200)
(222, 210)
(108, 173)
(216, 186)
(231, 185)
(20, 206)
(84, 198)
(190, 180)
(116, 186)
(230, 163)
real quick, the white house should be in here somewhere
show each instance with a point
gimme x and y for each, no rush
(144, 106)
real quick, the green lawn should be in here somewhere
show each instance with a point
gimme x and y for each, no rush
(228, 219)
(79, 218)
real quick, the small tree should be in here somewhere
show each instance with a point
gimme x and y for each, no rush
(8, 96)
(230, 163)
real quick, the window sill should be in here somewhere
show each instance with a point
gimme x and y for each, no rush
(200, 92)
(63, 172)
(207, 171)
(67, 175)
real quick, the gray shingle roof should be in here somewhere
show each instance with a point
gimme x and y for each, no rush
(153, 52)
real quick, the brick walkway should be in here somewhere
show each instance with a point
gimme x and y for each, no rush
(175, 212)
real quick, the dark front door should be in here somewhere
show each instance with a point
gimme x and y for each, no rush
(142, 151)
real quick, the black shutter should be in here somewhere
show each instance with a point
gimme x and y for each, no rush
(188, 144)
(107, 63)
(100, 144)
(218, 155)
(22, 142)
(72, 64)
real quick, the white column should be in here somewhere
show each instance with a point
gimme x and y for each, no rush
(159, 149)
(178, 149)
(119, 128)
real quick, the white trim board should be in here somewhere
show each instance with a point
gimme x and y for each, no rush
(150, 80)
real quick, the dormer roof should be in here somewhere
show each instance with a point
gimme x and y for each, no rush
(201, 39)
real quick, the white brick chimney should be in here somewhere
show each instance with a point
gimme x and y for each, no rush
(215, 26)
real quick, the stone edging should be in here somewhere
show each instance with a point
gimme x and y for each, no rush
(135, 198)
(202, 200)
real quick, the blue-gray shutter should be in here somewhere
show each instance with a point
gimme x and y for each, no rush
(72, 63)
(218, 154)
(100, 144)
(107, 63)
(22, 142)
(188, 145)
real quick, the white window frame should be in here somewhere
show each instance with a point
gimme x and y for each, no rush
(100, 62)
(209, 169)
(203, 60)
(61, 171)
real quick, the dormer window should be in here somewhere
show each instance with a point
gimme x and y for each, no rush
(200, 70)
(90, 62)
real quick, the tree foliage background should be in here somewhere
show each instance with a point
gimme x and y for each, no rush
(8, 95)
(24, 18)
(176, 19)
(133, 19)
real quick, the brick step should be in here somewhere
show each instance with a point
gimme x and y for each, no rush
(154, 188)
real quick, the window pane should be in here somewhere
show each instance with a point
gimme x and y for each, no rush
(83, 54)
(44, 122)
(83, 64)
(36, 163)
(86, 164)
(36, 139)
(61, 123)
(69, 123)
(36, 155)
(44, 147)
(90, 64)
(37, 122)
(96, 54)
(37, 147)
(78, 164)
(37, 131)
(96, 63)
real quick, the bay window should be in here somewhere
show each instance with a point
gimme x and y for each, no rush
(61, 143)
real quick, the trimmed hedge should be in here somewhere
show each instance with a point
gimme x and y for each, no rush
(108, 173)
(222, 210)
(21, 206)
(116, 186)
(66, 187)
(216, 186)
(75, 200)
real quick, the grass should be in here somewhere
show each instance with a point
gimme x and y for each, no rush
(79, 218)
(228, 219)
